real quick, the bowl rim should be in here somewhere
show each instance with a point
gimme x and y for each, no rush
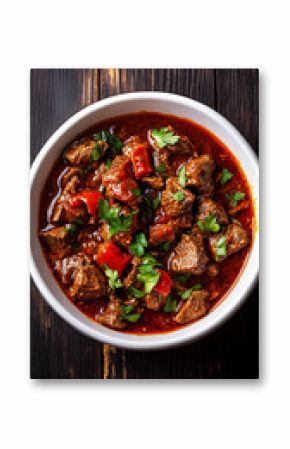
(176, 337)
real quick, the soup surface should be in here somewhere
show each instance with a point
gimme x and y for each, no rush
(146, 222)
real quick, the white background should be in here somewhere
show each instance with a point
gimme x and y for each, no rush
(206, 414)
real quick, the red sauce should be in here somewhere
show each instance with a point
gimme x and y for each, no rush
(205, 142)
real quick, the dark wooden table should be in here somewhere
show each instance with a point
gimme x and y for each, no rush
(57, 350)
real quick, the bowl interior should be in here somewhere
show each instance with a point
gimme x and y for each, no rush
(123, 104)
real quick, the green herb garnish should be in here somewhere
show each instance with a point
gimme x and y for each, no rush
(165, 246)
(182, 176)
(221, 247)
(179, 196)
(147, 274)
(187, 293)
(117, 222)
(235, 198)
(136, 192)
(126, 314)
(170, 305)
(96, 153)
(155, 202)
(183, 278)
(136, 292)
(164, 137)
(226, 176)
(74, 226)
(139, 244)
(115, 144)
(209, 224)
(160, 168)
(112, 275)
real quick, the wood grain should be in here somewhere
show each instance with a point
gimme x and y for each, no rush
(58, 351)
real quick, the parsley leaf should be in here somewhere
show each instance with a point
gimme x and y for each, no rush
(112, 275)
(126, 314)
(160, 168)
(139, 244)
(155, 202)
(179, 196)
(226, 176)
(147, 274)
(221, 247)
(165, 246)
(183, 278)
(235, 198)
(115, 144)
(149, 280)
(117, 222)
(74, 226)
(136, 292)
(96, 153)
(187, 293)
(182, 176)
(209, 224)
(137, 192)
(164, 137)
(170, 305)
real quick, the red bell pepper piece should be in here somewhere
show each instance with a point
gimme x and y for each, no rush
(111, 255)
(91, 199)
(141, 161)
(164, 284)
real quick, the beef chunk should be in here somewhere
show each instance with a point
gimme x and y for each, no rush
(236, 238)
(65, 268)
(163, 156)
(194, 308)
(63, 212)
(69, 174)
(154, 301)
(79, 153)
(131, 276)
(199, 173)
(111, 315)
(119, 170)
(88, 283)
(155, 181)
(130, 144)
(160, 233)
(172, 206)
(189, 255)
(209, 207)
(57, 240)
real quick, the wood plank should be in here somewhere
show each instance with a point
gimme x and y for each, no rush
(57, 350)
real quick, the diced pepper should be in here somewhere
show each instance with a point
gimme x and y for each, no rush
(91, 199)
(111, 255)
(141, 161)
(164, 284)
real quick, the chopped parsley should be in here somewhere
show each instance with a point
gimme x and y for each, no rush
(126, 314)
(136, 192)
(155, 202)
(170, 305)
(115, 144)
(139, 244)
(235, 198)
(136, 293)
(179, 196)
(160, 168)
(74, 226)
(183, 278)
(117, 222)
(226, 176)
(96, 153)
(182, 176)
(221, 247)
(164, 137)
(209, 224)
(186, 294)
(112, 275)
(147, 274)
(165, 246)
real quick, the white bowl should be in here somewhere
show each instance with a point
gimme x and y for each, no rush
(91, 115)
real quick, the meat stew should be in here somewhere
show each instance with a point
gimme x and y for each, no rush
(146, 222)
